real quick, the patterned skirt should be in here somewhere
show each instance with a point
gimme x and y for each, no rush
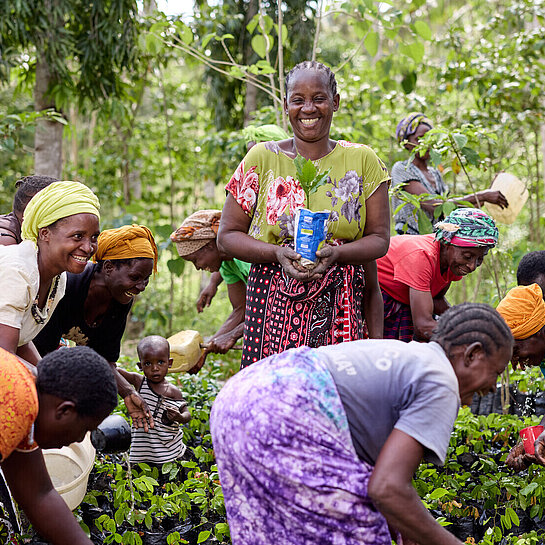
(288, 468)
(398, 320)
(283, 313)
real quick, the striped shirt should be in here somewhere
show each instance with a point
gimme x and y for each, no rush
(160, 444)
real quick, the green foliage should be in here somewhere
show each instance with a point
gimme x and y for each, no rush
(87, 45)
(309, 177)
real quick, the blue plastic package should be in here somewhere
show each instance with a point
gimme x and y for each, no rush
(310, 233)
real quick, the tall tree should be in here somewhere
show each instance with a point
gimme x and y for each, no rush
(75, 51)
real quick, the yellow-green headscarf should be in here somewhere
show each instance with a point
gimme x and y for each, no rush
(54, 202)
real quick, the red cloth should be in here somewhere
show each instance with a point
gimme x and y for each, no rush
(412, 261)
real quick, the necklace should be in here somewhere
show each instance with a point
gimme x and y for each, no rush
(40, 318)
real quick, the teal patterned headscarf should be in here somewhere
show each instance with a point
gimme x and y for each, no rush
(467, 227)
(409, 124)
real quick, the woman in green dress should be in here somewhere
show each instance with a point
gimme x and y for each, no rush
(288, 305)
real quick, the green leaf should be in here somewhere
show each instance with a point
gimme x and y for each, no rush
(435, 157)
(268, 23)
(447, 207)
(528, 489)
(319, 181)
(424, 227)
(153, 44)
(227, 37)
(184, 31)
(360, 28)
(471, 155)
(438, 493)
(259, 45)
(203, 536)
(371, 42)
(414, 50)
(408, 82)
(251, 26)
(513, 516)
(460, 139)
(423, 30)
(306, 171)
(176, 266)
(207, 38)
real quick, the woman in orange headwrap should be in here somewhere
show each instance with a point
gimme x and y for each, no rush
(523, 308)
(97, 302)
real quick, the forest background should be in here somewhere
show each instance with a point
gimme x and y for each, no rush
(147, 108)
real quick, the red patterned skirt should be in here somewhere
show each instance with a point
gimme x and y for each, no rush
(398, 320)
(283, 313)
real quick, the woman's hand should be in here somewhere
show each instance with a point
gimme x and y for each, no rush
(138, 411)
(290, 261)
(327, 257)
(518, 459)
(221, 343)
(206, 296)
(493, 197)
(208, 293)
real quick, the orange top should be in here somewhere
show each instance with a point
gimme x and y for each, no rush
(19, 406)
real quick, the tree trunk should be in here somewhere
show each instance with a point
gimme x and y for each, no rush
(48, 136)
(74, 138)
(250, 103)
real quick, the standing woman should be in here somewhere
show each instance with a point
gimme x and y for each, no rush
(59, 231)
(417, 271)
(97, 302)
(287, 305)
(418, 177)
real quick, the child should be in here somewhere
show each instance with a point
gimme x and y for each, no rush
(163, 443)
(73, 392)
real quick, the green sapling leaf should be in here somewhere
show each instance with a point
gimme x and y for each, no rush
(308, 176)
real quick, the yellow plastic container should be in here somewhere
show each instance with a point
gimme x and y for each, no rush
(185, 350)
(516, 193)
(69, 469)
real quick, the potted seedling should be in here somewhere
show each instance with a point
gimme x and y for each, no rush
(310, 227)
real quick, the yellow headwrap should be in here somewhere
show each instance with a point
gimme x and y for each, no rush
(127, 242)
(57, 200)
(523, 309)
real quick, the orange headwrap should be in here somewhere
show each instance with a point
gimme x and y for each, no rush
(523, 309)
(127, 242)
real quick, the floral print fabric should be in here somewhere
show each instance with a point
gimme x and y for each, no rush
(288, 468)
(266, 187)
(19, 405)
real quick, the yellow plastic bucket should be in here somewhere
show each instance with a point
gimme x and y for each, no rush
(516, 193)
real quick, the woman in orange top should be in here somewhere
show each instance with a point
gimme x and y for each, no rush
(73, 392)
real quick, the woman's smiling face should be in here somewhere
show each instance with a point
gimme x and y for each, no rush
(310, 105)
(127, 280)
(69, 243)
(463, 260)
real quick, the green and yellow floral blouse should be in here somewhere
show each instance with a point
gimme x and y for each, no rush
(265, 186)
